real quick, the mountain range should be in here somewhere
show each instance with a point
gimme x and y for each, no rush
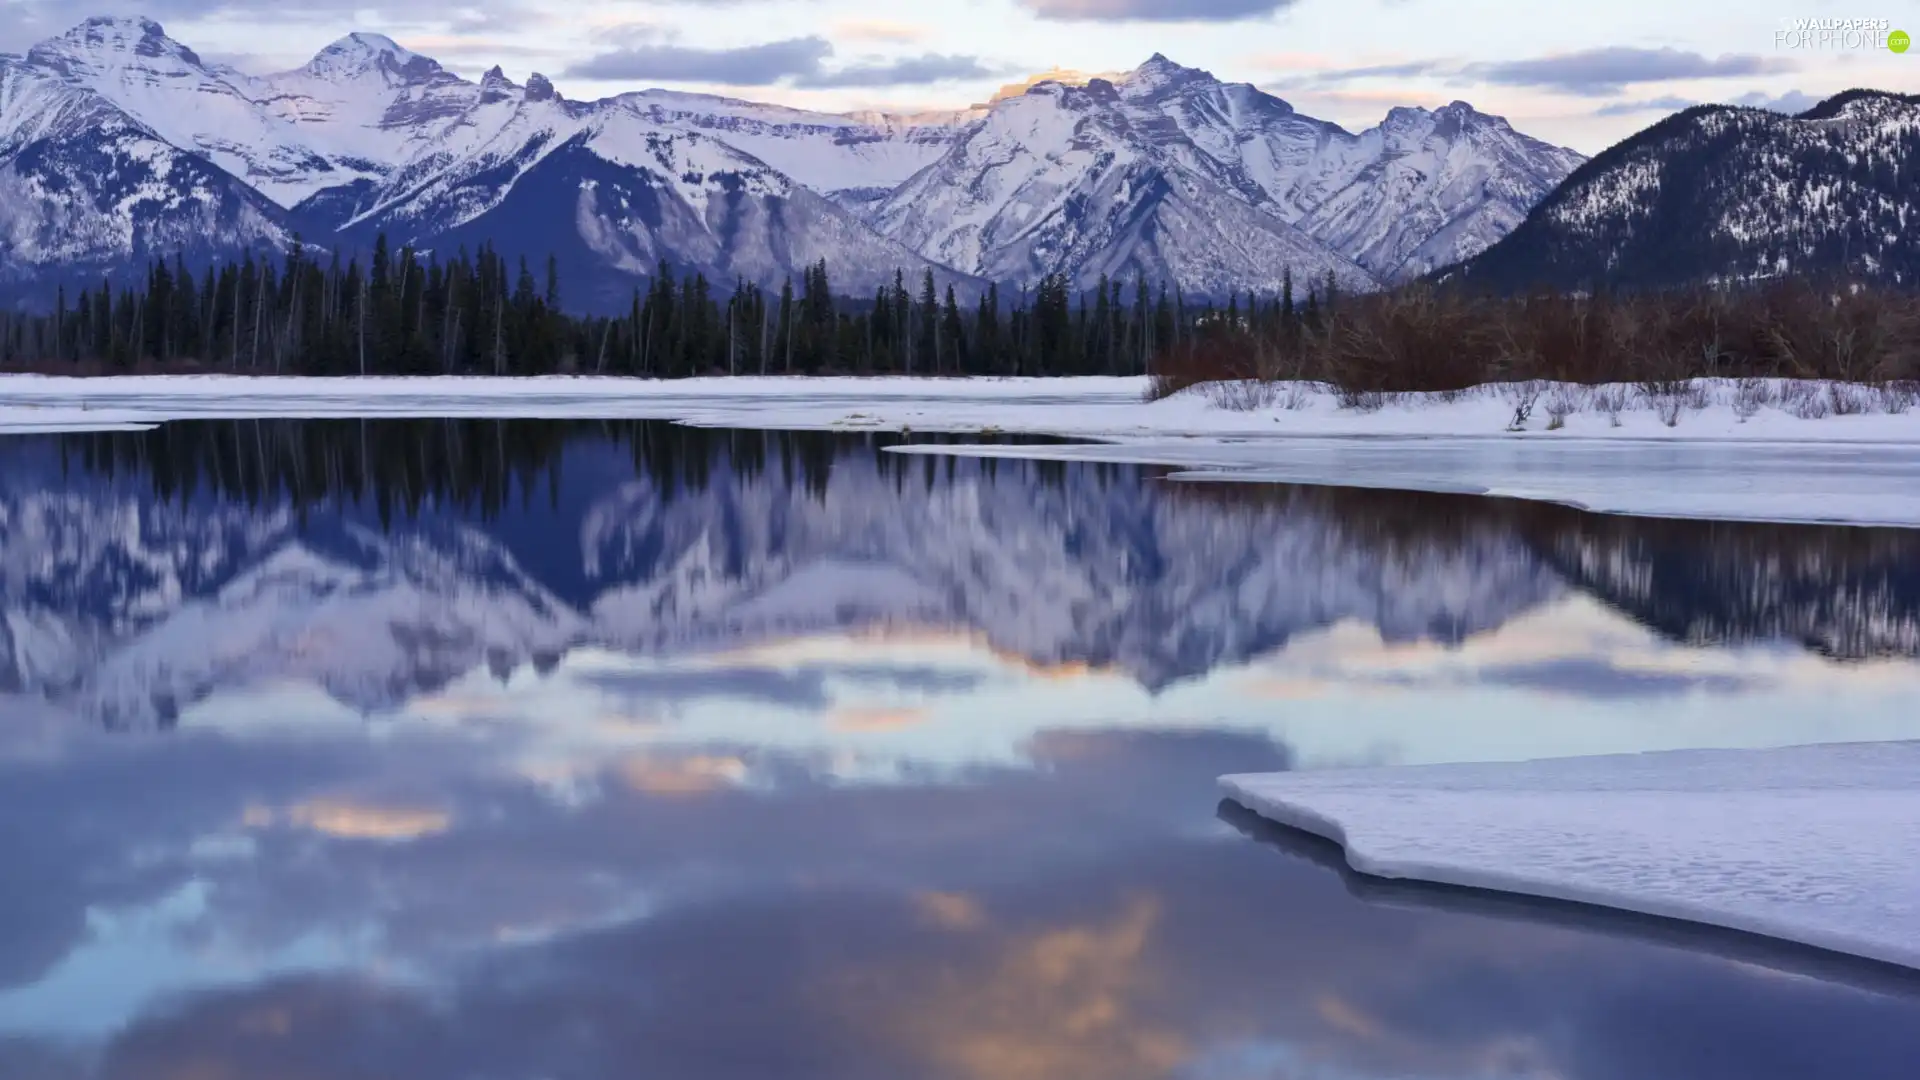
(1720, 193)
(118, 144)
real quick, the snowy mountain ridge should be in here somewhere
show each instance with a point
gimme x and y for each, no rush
(1163, 171)
(1721, 193)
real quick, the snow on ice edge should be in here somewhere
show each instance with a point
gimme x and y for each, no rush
(1811, 844)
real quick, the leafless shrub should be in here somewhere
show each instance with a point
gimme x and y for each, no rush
(1361, 400)
(1242, 395)
(1297, 394)
(1563, 402)
(1750, 395)
(1668, 408)
(1523, 396)
(1805, 401)
(1846, 399)
(1611, 400)
(1441, 341)
(1897, 396)
(1670, 396)
(1211, 356)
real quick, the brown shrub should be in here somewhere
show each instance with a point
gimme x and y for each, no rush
(1420, 338)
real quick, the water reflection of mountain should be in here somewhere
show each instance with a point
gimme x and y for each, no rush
(1847, 593)
(380, 559)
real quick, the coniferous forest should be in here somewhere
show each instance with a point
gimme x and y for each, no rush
(478, 314)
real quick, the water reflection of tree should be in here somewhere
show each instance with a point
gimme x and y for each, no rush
(1846, 592)
(401, 468)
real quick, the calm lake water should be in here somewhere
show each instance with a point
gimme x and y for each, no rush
(521, 750)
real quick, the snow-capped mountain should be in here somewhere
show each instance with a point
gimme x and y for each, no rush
(371, 104)
(1428, 188)
(1063, 180)
(1162, 171)
(85, 187)
(208, 110)
(842, 157)
(603, 185)
(370, 137)
(1725, 193)
(1170, 172)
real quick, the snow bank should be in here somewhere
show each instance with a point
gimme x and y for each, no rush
(1774, 451)
(1810, 844)
(1099, 407)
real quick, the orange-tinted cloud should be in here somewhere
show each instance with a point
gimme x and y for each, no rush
(1342, 1015)
(348, 819)
(671, 777)
(950, 911)
(884, 31)
(856, 720)
(1057, 1002)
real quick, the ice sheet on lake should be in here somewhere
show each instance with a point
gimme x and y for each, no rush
(1811, 844)
(1862, 467)
(1833, 482)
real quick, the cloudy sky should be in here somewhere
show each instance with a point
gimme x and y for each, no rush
(1583, 75)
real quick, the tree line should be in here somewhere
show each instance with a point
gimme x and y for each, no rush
(479, 313)
(482, 469)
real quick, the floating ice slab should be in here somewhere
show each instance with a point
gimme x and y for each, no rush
(1818, 845)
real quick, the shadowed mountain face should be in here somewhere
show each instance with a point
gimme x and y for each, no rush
(1720, 193)
(142, 572)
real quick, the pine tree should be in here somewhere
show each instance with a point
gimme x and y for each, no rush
(954, 332)
(927, 320)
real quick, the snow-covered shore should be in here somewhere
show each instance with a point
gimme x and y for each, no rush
(1767, 451)
(1809, 844)
(1097, 407)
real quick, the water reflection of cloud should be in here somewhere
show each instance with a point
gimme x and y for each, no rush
(1080, 971)
(1004, 923)
(873, 709)
(856, 720)
(1590, 679)
(951, 910)
(791, 689)
(1044, 1002)
(674, 777)
(1347, 696)
(347, 819)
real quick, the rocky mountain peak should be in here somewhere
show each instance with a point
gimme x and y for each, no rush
(362, 54)
(107, 42)
(1159, 76)
(495, 86)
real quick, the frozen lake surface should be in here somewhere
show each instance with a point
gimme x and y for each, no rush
(1862, 467)
(1810, 844)
(605, 748)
